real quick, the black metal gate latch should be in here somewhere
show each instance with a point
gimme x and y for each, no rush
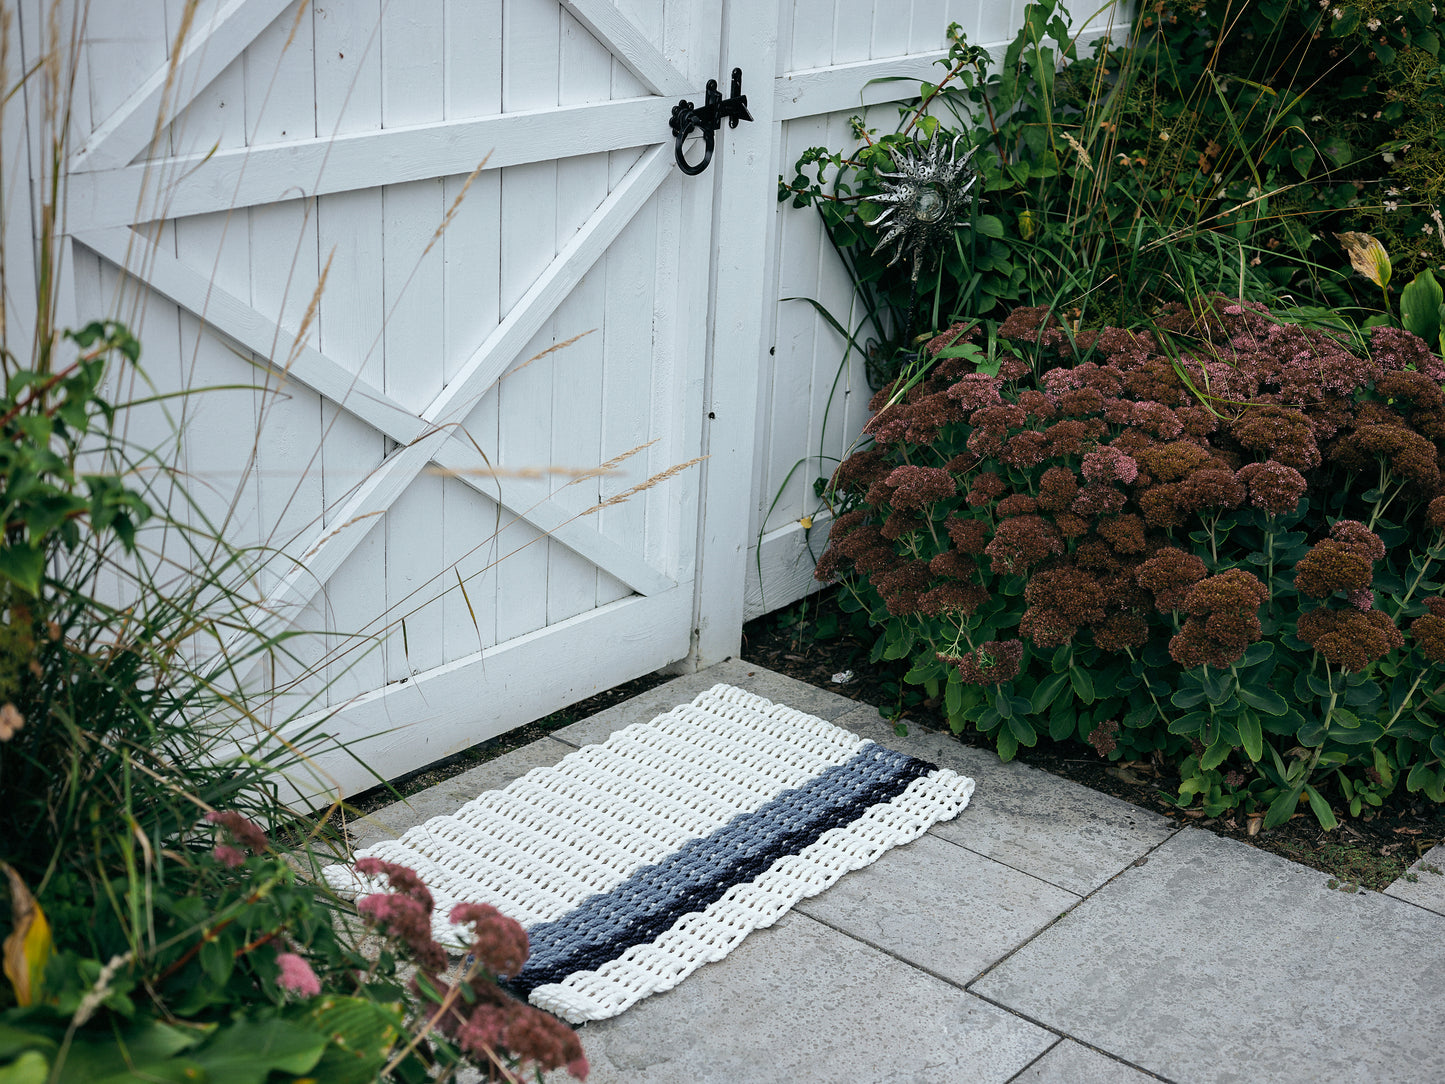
(708, 119)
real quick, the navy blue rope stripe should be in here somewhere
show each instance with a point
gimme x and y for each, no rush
(647, 904)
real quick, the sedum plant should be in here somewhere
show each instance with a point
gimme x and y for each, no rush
(1218, 542)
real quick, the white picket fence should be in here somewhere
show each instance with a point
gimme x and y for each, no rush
(278, 230)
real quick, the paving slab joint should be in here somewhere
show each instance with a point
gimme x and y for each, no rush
(1141, 860)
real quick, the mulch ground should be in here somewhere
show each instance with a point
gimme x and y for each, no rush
(810, 641)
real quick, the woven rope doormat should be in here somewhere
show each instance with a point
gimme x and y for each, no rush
(634, 862)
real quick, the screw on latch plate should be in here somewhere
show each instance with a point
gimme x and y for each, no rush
(708, 119)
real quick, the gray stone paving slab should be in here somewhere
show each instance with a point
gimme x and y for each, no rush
(450, 794)
(1216, 962)
(1071, 1063)
(1052, 828)
(1428, 887)
(802, 1002)
(941, 907)
(755, 679)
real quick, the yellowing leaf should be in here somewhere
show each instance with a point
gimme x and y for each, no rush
(28, 948)
(806, 523)
(1367, 256)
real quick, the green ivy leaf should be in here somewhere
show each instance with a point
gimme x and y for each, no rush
(23, 565)
(989, 226)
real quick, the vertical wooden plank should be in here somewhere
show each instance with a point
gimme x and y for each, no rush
(470, 311)
(413, 82)
(530, 50)
(289, 454)
(280, 82)
(412, 342)
(412, 76)
(473, 58)
(473, 542)
(415, 577)
(347, 66)
(929, 26)
(124, 44)
(20, 298)
(354, 619)
(349, 326)
(217, 428)
(220, 434)
(216, 118)
(890, 29)
(687, 212)
(746, 176)
(853, 28)
(812, 36)
(627, 378)
(796, 342)
(585, 75)
(154, 426)
(996, 23)
(830, 391)
(413, 347)
(469, 554)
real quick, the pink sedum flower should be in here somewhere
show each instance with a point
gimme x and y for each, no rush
(296, 975)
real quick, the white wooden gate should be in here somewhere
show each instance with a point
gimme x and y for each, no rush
(264, 204)
(279, 231)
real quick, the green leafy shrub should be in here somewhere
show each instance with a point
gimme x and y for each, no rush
(1219, 540)
(1218, 148)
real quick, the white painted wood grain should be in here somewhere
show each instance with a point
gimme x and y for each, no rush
(347, 42)
(743, 202)
(281, 80)
(408, 725)
(472, 48)
(630, 46)
(786, 559)
(126, 55)
(243, 178)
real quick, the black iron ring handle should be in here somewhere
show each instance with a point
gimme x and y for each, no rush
(683, 129)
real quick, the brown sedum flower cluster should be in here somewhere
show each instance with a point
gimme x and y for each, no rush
(1092, 483)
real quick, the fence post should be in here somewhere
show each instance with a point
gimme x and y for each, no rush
(743, 214)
